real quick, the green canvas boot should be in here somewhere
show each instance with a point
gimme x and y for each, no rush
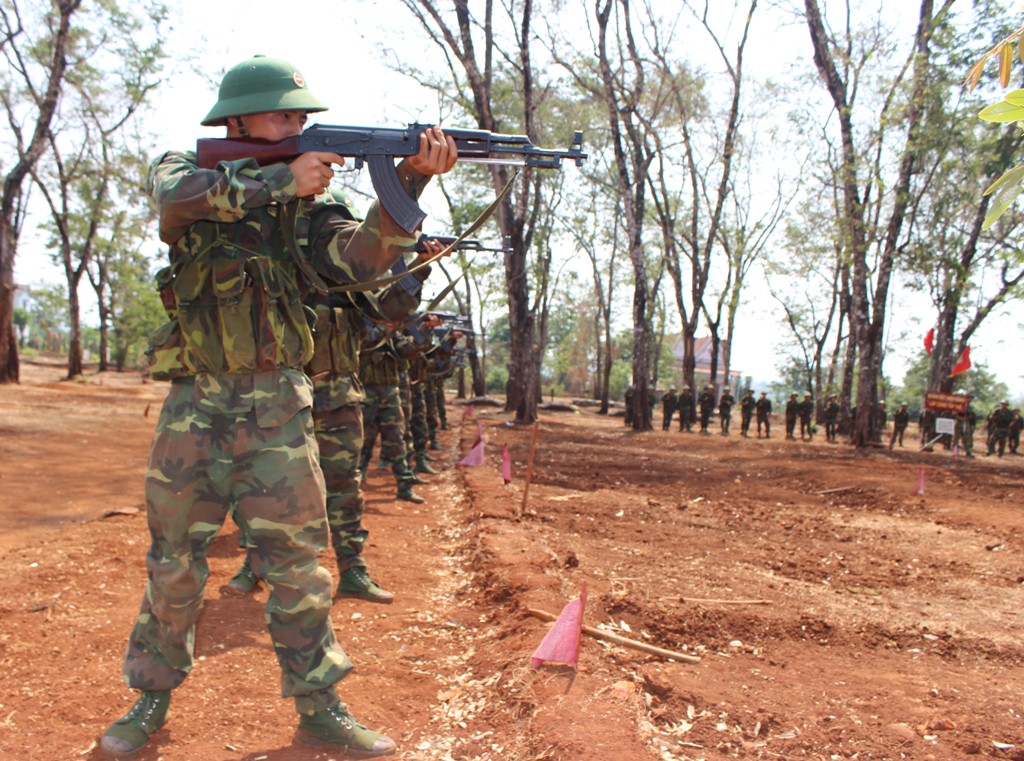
(422, 466)
(433, 443)
(403, 472)
(356, 583)
(334, 727)
(127, 735)
(245, 580)
(406, 494)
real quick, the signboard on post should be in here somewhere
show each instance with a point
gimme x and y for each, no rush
(956, 403)
(945, 425)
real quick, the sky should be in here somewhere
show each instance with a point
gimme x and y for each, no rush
(339, 60)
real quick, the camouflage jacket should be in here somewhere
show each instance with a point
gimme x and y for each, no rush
(339, 330)
(380, 364)
(233, 291)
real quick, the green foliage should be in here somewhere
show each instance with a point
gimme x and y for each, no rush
(136, 310)
(46, 326)
(497, 378)
(1010, 110)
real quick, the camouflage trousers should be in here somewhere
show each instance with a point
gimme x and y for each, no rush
(339, 432)
(418, 421)
(430, 390)
(442, 412)
(382, 412)
(201, 463)
(405, 393)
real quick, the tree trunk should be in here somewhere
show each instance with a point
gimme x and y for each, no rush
(9, 369)
(75, 367)
(10, 202)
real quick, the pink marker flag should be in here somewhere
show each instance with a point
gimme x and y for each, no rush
(475, 456)
(506, 465)
(469, 411)
(562, 643)
(919, 491)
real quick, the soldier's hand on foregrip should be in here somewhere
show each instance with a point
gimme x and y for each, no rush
(431, 247)
(313, 172)
(437, 154)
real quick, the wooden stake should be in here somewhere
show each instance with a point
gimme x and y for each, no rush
(706, 601)
(529, 469)
(835, 491)
(543, 615)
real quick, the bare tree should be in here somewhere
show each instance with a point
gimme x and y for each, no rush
(113, 71)
(623, 87)
(470, 44)
(36, 56)
(593, 234)
(690, 242)
(835, 65)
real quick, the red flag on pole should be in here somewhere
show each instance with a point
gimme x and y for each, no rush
(964, 363)
(929, 341)
(562, 642)
(475, 457)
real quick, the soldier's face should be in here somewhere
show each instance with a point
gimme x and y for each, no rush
(274, 125)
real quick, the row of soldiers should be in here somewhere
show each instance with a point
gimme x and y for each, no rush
(1003, 425)
(378, 371)
(701, 410)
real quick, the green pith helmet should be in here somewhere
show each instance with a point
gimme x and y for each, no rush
(343, 198)
(259, 85)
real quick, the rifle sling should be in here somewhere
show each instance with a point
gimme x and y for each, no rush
(289, 215)
(477, 224)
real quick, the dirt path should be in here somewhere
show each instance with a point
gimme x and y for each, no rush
(891, 627)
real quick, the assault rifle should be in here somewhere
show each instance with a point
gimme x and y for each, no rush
(457, 321)
(443, 332)
(377, 147)
(464, 245)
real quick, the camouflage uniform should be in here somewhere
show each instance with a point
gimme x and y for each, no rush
(237, 424)
(832, 419)
(747, 404)
(706, 401)
(685, 406)
(999, 420)
(963, 431)
(900, 421)
(792, 413)
(668, 405)
(381, 369)
(764, 415)
(806, 412)
(725, 411)
(338, 411)
(405, 394)
(442, 366)
(440, 403)
(418, 426)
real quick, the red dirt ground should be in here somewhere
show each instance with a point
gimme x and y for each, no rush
(835, 614)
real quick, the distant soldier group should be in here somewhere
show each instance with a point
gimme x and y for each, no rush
(1003, 425)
